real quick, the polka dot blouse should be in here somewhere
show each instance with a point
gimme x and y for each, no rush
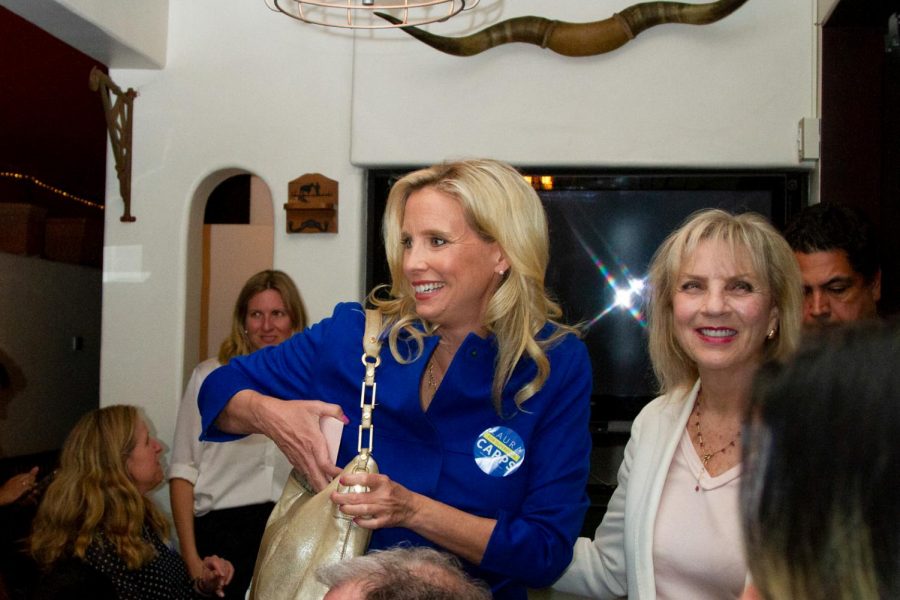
(164, 578)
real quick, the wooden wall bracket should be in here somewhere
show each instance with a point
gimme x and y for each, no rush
(118, 123)
(312, 204)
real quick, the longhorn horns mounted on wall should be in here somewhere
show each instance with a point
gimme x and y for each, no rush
(577, 39)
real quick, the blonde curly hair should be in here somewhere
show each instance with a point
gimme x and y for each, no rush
(500, 207)
(93, 493)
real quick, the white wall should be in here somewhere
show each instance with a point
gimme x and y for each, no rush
(243, 90)
(41, 311)
(248, 90)
(725, 94)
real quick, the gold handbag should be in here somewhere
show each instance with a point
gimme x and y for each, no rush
(306, 530)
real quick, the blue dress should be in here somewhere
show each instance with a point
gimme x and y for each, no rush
(532, 464)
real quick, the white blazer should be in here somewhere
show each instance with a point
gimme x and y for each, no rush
(618, 562)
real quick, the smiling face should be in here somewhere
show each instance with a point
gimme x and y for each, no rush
(268, 322)
(453, 271)
(143, 461)
(833, 292)
(722, 310)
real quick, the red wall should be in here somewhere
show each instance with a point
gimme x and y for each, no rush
(51, 124)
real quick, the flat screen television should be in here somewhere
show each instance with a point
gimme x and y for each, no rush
(604, 229)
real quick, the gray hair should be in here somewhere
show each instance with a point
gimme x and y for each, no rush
(406, 573)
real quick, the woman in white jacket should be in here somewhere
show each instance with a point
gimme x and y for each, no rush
(725, 297)
(222, 494)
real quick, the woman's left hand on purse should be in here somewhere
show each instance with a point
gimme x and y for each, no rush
(389, 504)
(386, 504)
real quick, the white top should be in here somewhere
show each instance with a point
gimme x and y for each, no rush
(248, 471)
(698, 545)
(619, 560)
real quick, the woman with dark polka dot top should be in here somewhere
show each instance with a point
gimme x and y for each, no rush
(97, 514)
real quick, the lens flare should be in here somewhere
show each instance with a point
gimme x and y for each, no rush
(628, 298)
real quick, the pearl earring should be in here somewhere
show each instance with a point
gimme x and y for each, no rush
(771, 334)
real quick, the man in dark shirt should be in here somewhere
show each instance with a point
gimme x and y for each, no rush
(838, 257)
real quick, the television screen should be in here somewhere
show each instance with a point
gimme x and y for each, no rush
(604, 229)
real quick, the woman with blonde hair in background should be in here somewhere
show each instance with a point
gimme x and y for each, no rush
(97, 512)
(725, 296)
(222, 494)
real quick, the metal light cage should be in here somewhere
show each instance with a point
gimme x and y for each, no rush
(360, 14)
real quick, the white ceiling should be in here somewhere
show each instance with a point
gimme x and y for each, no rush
(125, 34)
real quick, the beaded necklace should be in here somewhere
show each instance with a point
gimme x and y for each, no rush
(705, 456)
(431, 382)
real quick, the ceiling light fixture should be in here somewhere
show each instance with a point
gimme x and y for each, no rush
(363, 14)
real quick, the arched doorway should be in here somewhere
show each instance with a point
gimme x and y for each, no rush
(237, 242)
(231, 237)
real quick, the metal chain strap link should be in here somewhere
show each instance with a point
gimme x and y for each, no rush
(368, 389)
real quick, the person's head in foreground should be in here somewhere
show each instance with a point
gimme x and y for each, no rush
(837, 253)
(418, 573)
(820, 494)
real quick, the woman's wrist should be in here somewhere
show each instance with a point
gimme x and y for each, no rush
(194, 566)
(414, 511)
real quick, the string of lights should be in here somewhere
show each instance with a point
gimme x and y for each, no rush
(35, 181)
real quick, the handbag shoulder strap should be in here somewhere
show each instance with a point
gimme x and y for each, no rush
(371, 339)
(371, 359)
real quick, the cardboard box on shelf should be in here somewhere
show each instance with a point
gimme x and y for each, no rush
(74, 240)
(22, 228)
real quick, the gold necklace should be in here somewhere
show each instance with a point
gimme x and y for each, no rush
(705, 456)
(431, 381)
(429, 384)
